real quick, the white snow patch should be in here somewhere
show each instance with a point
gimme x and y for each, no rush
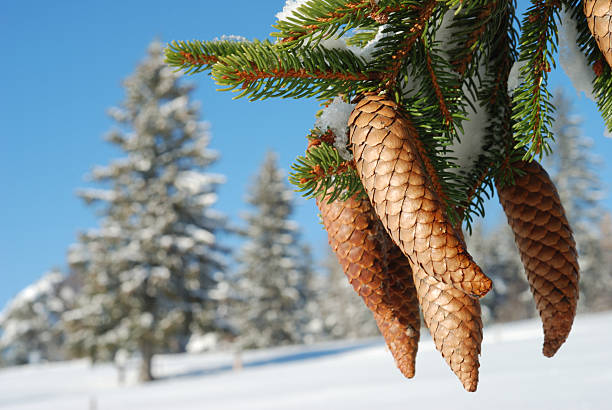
(339, 375)
(202, 343)
(288, 9)
(200, 235)
(335, 117)
(573, 60)
(363, 52)
(194, 182)
(230, 37)
(474, 130)
(515, 77)
(43, 286)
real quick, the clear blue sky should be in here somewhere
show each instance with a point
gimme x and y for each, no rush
(62, 67)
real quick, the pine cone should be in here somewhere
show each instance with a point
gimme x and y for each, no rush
(547, 249)
(398, 184)
(599, 19)
(379, 273)
(453, 319)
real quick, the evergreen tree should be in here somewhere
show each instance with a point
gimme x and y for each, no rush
(152, 269)
(343, 312)
(574, 171)
(273, 276)
(30, 325)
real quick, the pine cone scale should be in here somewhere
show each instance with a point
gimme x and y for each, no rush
(396, 182)
(599, 19)
(453, 319)
(548, 251)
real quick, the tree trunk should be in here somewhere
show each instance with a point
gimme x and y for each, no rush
(146, 352)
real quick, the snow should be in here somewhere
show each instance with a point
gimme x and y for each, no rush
(514, 77)
(341, 375)
(469, 147)
(573, 60)
(230, 37)
(40, 288)
(194, 182)
(288, 9)
(335, 117)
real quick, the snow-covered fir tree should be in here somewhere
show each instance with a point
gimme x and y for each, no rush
(272, 277)
(30, 327)
(496, 252)
(151, 272)
(343, 312)
(574, 170)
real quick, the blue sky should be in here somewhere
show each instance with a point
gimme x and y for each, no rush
(63, 63)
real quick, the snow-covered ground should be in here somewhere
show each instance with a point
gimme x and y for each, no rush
(347, 375)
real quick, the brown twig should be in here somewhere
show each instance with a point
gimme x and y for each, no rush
(462, 64)
(255, 74)
(434, 81)
(414, 34)
(189, 58)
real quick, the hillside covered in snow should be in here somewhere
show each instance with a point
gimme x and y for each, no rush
(346, 375)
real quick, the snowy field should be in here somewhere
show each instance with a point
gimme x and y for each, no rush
(347, 375)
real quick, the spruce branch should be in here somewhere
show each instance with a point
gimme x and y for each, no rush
(533, 109)
(322, 173)
(498, 146)
(471, 32)
(197, 56)
(264, 71)
(362, 36)
(317, 20)
(393, 49)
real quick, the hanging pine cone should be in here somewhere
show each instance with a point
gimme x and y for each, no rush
(547, 249)
(379, 273)
(599, 19)
(453, 319)
(398, 184)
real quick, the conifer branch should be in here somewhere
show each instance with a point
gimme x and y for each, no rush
(318, 20)
(447, 117)
(264, 71)
(197, 56)
(414, 29)
(498, 142)
(322, 173)
(533, 110)
(472, 28)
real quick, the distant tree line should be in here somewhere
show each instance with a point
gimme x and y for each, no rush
(153, 278)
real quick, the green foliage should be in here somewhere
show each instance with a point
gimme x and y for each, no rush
(197, 56)
(264, 70)
(435, 58)
(533, 110)
(322, 173)
(318, 20)
(361, 37)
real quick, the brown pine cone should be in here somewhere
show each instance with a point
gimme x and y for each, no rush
(547, 249)
(398, 184)
(599, 19)
(453, 319)
(379, 273)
